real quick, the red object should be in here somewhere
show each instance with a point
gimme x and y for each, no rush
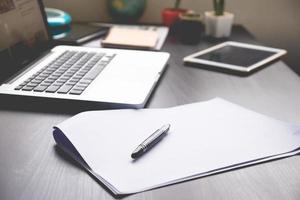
(171, 15)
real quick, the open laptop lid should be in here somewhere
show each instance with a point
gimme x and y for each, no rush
(24, 34)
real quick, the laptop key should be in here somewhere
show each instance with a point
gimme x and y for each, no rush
(78, 88)
(40, 88)
(37, 81)
(80, 73)
(61, 81)
(105, 59)
(93, 73)
(52, 78)
(27, 88)
(19, 87)
(87, 82)
(70, 83)
(32, 84)
(45, 84)
(23, 84)
(52, 88)
(68, 76)
(64, 89)
(80, 84)
(76, 92)
(48, 81)
(74, 79)
(42, 76)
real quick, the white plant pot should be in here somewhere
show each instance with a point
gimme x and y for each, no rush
(218, 26)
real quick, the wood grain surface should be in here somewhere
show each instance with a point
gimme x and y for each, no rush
(33, 168)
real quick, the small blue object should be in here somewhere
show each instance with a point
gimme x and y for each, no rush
(57, 18)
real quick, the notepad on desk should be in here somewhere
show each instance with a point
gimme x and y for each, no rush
(119, 37)
(205, 138)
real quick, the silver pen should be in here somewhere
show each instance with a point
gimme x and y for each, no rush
(150, 141)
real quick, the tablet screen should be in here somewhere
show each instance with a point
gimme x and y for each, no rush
(235, 55)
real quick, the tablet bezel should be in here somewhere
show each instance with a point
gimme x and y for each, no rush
(193, 57)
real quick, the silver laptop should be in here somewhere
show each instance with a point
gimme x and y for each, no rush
(112, 76)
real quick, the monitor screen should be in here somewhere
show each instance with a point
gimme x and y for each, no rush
(22, 33)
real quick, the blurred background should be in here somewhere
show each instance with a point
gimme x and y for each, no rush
(273, 22)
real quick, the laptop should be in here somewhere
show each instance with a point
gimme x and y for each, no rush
(31, 67)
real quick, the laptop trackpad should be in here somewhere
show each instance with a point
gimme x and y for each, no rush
(124, 82)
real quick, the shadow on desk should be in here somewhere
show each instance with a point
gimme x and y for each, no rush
(46, 105)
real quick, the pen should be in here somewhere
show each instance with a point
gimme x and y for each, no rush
(152, 140)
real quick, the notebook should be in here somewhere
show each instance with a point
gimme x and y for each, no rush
(204, 138)
(162, 32)
(120, 37)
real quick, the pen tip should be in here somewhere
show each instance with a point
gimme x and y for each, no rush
(137, 152)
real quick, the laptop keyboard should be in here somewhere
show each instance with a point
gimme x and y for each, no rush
(71, 73)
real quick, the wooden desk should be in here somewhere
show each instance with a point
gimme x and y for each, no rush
(32, 168)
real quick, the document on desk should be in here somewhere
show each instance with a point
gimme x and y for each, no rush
(204, 138)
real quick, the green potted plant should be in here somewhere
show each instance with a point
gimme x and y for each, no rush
(218, 23)
(171, 15)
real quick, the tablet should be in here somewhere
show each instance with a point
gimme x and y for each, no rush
(236, 56)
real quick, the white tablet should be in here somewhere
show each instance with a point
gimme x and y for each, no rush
(235, 56)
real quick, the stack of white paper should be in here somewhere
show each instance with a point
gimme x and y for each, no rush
(204, 138)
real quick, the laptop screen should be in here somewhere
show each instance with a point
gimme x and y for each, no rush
(23, 34)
